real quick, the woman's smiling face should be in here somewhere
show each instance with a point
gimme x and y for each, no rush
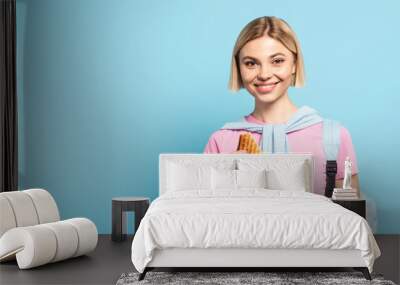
(266, 68)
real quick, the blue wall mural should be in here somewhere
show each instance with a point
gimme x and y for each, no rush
(104, 87)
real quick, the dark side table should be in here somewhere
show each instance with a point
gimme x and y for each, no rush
(121, 205)
(357, 206)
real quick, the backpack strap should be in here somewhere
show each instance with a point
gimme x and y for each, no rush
(331, 143)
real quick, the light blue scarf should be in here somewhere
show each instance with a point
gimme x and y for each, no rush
(274, 136)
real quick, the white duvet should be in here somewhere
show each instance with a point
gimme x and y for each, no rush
(251, 218)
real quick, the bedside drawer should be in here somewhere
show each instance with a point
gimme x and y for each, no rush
(357, 206)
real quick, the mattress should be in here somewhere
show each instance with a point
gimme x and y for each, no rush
(250, 219)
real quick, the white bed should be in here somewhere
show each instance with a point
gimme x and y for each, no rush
(201, 220)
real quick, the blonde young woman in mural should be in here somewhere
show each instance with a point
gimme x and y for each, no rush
(267, 60)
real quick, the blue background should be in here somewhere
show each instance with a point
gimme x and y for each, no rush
(105, 86)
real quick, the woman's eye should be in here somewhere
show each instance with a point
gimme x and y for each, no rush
(249, 63)
(279, 60)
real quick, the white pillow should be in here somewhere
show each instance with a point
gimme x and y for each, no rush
(188, 177)
(251, 178)
(282, 174)
(236, 179)
(288, 179)
(223, 179)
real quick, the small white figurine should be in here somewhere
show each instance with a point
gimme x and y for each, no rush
(347, 174)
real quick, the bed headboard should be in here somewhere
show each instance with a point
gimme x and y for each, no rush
(215, 159)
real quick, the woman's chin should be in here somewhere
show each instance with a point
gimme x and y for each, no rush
(266, 98)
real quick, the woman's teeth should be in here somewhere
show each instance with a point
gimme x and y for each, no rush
(266, 88)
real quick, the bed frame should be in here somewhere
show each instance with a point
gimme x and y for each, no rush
(242, 259)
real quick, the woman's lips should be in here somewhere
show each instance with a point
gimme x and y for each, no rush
(266, 88)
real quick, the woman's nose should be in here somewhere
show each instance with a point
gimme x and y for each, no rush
(264, 73)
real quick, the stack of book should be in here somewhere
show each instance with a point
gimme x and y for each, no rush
(344, 194)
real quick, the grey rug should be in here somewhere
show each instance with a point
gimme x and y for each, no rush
(229, 278)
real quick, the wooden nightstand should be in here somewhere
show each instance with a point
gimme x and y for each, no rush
(121, 205)
(357, 206)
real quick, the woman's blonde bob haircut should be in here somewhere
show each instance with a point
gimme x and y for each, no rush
(277, 29)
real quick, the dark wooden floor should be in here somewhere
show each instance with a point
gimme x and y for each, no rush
(111, 259)
(103, 266)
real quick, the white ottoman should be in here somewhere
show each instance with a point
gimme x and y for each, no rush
(31, 232)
